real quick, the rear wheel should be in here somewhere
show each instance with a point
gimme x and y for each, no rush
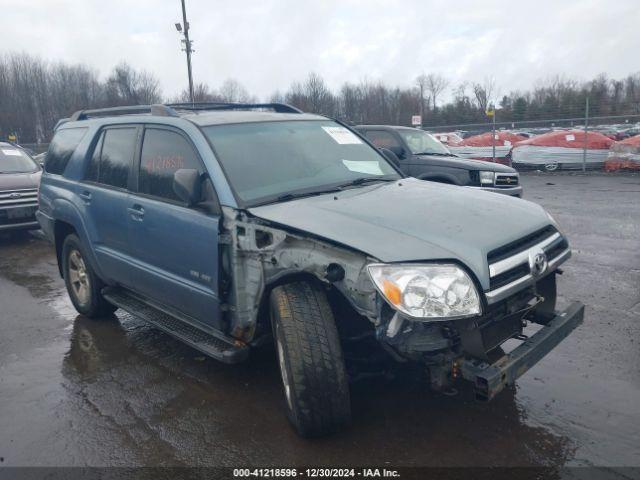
(310, 358)
(83, 285)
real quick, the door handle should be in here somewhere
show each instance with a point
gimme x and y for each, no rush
(136, 212)
(86, 197)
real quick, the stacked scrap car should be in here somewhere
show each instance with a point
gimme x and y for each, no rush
(481, 147)
(624, 155)
(562, 150)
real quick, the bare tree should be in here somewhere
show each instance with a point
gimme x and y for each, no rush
(435, 84)
(312, 96)
(483, 93)
(35, 94)
(126, 86)
(201, 93)
(233, 91)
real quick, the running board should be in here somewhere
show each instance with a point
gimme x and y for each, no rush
(218, 346)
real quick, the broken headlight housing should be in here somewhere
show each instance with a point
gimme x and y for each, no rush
(430, 292)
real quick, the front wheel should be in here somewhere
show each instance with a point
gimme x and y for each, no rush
(83, 285)
(310, 358)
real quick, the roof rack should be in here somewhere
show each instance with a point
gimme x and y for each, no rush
(203, 106)
(161, 110)
(169, 110)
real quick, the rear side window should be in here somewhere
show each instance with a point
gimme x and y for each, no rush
(163, 153)
(382, 139)
(62, 147)
(111, 160)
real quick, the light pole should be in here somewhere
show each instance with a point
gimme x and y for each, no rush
(184, 29)
(491, 112)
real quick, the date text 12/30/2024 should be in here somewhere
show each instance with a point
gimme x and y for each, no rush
(316, 473)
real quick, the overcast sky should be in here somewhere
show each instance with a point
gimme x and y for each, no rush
(268, 44)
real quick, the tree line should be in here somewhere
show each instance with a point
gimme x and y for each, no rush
(35, 94)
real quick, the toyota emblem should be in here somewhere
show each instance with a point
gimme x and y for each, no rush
(538, 264)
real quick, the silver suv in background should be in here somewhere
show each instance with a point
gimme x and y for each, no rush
(19, 182)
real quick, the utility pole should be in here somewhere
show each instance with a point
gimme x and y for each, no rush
(586, 130)
(421, 106)
(491, 112)
(184, 29)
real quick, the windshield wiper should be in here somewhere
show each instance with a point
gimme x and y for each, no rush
(441, 154)
(292, 196)
(363, 180)
(358, 181)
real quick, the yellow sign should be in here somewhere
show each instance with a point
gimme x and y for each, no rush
(12, 138)
(490, 113)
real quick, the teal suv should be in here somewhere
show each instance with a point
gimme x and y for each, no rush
(230, 226)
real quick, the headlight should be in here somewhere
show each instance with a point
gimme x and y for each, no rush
(439, 291)
(487, 178)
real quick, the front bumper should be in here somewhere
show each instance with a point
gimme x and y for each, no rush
(46, 224)
(26, 222)
(511, 191)
(490, 379)
(20, 226)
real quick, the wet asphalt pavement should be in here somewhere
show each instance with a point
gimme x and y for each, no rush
(75, 391)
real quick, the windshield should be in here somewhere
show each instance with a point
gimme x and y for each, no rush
(421, 142)
(15, 160)
(265, 161)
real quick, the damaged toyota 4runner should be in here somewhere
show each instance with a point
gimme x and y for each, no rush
(232, 225)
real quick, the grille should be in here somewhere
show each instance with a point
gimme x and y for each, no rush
(509, 276)
(510, 266)
(507, 180)
(18, 198)
(520, 245)
(556, 248)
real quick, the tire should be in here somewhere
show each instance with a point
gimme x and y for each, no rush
(310, 358)
(83, 285)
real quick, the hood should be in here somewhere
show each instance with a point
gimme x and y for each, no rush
(458, 162)
(413, 220)
(19, 181)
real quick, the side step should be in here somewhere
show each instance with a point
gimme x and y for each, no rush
(215, 345)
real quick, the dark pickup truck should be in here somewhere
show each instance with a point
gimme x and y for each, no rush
(418, 154)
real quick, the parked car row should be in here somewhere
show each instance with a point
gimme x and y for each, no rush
(232, 225)
(550, 150)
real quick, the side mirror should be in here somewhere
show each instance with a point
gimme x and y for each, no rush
(187, 185)
(389, 155)
(398, 151)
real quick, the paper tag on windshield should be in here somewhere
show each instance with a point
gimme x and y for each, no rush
(371, 167)
(12, 151)
(507, 143)
(570, 138)
(342, 136)
(443, 138)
